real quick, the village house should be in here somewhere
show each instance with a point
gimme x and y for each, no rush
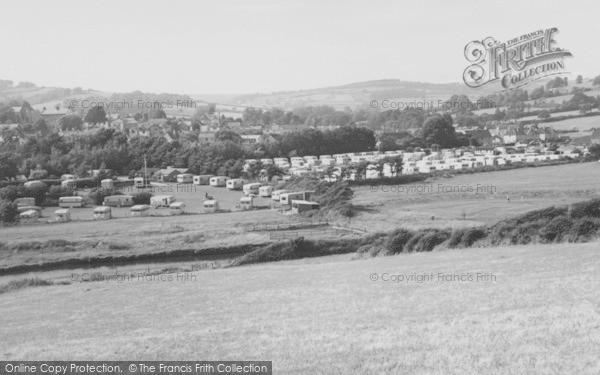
(169, 174)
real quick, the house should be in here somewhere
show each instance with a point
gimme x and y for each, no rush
(282, 129)
(250, 139)
(595, 137)
(206, 137)
(483, 136)
(169, 174)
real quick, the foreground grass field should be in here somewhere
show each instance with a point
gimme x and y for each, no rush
(539, 314)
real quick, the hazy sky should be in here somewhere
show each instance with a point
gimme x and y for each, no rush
(251, 46)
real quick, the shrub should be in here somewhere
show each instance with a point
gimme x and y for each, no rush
(430, 240)
(397, 240)
(37, 192)
(465, 237)
(117, 246)
(23, 283)
(500, 233)
(471, 235)
(9, 212)
(557, 229)
(584, 229)
(588, 208)
(525, 233)
(97, 195)
(142, 197)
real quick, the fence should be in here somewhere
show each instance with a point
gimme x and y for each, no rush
(306, 233)
(283, 225)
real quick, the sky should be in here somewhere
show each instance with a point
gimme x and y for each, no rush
(240, 47)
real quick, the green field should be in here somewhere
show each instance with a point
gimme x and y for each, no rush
(388, 207)
(326, 316)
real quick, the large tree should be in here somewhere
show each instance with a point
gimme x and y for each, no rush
(95, 115)
(439, 130)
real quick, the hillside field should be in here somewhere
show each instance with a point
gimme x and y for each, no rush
(482, 197)
(536, 311)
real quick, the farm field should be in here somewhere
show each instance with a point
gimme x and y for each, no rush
(482, 197)
(536, 311)
(582, 123)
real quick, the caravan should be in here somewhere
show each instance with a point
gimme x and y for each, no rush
(202, 179)
(252, 188)
(218, 181)
(118, 200)
(162, 200)
(177, 208)
(210, 206)
(70, 202)
(235, 184)
(102, 213)
(185, 178)
(140, 210)
(265, 191)
(275, 195)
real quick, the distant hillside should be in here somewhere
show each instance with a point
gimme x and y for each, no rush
(360, 94)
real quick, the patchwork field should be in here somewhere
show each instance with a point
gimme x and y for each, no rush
(523, 309)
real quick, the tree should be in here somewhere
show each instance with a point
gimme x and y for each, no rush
(157, 114)
(70, 123)
(8, 165)
(37, 192)
(40, 126)
(537, 93)
(228, 135)
(142, 197)
(9, 212)
(95, 115)
(595, 150)
(439, 130)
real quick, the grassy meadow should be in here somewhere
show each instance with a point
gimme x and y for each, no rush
(482, 197)
(538, 314)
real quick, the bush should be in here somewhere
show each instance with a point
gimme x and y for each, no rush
(142, 197)
(57, 191)
(9, 212)
(397, 240)
(589, 208)
(471, 235)
(500, 233)
(584, 229)
(526, 233)
(430, 240)
(465, 237)
(37, 192)
(557, 229)
(97, 195)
